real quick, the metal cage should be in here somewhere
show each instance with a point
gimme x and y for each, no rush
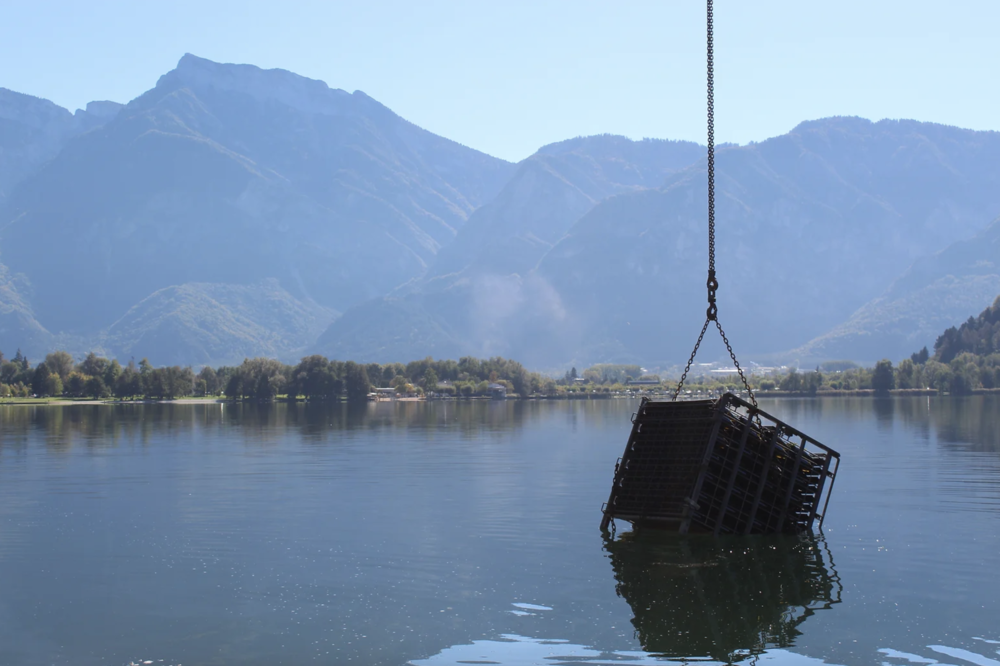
(720, 466)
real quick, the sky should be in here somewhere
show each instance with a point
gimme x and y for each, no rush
(509, 77)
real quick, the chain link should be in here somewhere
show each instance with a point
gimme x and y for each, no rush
(712, 314)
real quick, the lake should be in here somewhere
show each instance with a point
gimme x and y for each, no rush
(467, 533)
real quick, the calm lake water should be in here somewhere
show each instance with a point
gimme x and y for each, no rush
(444, 533)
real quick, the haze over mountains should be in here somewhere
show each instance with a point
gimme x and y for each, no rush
(936, 292)
(232, 211)
(33, 131)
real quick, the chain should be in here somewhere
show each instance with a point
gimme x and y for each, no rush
(712, 314)
(694, 353)
(732, 355)
(712, 283)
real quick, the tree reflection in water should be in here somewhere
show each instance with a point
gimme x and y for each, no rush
(727, 599)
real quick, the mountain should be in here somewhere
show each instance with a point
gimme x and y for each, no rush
(229, 174)
(232, 211)
(548, 192)
(34, 130)
(200, 323)
(811, 225)
(18, 325)
(463, 304)
(935, 293)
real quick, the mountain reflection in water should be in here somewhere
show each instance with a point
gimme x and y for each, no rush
(726, 599)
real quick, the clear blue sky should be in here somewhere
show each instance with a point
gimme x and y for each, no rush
(507, 77)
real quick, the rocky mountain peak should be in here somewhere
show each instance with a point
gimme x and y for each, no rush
(299, 92)
(105, 110)
(28, 110)
(95, 115)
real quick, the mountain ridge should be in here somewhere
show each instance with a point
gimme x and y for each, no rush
(204, 323)
(226, 193)
(471, 294)
(811, 225)
(199, 180)
(934, 293)
(33, 131)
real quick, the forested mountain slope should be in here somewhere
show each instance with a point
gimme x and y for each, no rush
(811, 225)
(475, 283)
(234, 211)
(17, 321)
(550, 191)
(200, 323)
(229, 174)
(34, 130)
(978, 335)
(935, 293)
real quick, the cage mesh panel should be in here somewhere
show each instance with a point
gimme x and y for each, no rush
(670, 448)
(654, 480)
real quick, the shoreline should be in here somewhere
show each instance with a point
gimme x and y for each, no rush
(857, 393)
(59, 402)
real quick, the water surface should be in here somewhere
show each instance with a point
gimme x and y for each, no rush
(443, 533)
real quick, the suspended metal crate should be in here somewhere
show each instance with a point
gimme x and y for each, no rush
(720, 466)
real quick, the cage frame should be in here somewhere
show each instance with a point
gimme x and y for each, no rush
(726, 454)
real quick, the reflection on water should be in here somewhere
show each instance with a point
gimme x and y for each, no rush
(961, 654)
(466, 532)
(885, 411)
(515, 650)
(721, 598)
(969, 422)
(106, 425)
(693, 598)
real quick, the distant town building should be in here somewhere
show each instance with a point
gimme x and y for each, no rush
(382, 393)
(498, 391)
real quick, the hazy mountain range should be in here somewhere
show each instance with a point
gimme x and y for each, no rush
(936, 292)
(232, 211)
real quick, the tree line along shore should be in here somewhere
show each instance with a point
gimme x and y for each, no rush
(60, 377)
(313, 378)
(966, 360)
